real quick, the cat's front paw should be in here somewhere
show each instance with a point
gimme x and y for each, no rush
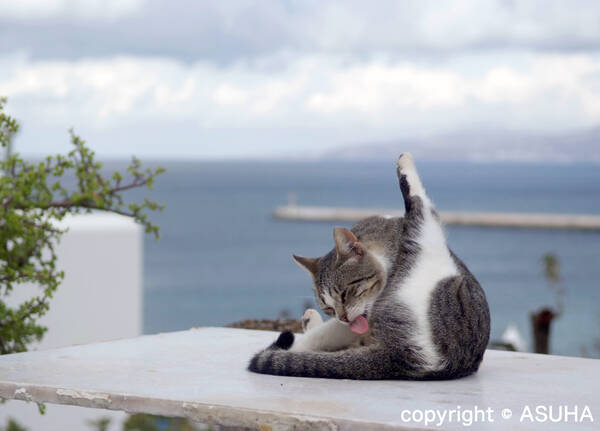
(284, 341)
(310, 319)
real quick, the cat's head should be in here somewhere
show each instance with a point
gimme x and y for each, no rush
(349, 278)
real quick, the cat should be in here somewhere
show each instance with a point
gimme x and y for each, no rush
(402, 305)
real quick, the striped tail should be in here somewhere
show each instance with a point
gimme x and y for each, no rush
(360, 363)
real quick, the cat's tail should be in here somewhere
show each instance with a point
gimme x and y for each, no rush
(373, 362)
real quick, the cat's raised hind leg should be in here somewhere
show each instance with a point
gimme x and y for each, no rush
(410, 184)
(422, 223)
(425, 254)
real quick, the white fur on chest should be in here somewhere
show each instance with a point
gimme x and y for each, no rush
(434, 263)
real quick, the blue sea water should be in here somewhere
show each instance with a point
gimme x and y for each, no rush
(223, 258)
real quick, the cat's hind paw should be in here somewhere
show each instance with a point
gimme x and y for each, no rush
(406, 162)
(311, 319)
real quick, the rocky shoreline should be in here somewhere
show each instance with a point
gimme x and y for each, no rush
(278, 325)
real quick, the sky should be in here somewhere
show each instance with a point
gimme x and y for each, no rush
(238, 78)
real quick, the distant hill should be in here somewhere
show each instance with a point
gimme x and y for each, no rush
(579, 146)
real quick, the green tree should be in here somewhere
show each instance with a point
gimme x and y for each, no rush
(100, 424)
(32, 199)
(12, 425)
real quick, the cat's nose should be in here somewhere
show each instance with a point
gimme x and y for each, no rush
(344, 318)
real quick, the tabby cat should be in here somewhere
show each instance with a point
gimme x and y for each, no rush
(403, 306)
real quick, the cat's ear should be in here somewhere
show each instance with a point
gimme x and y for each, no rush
(346, 243)
(308, 263)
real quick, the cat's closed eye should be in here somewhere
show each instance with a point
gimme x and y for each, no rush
(362, 279)
(329, 310)
(361, 292)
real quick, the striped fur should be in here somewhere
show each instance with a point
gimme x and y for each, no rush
(427, 314)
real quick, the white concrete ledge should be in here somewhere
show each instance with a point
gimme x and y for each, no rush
(201, 374)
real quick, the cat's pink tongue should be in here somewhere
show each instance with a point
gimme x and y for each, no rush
(359, 325)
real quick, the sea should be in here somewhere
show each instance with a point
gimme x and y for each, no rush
(222, 257)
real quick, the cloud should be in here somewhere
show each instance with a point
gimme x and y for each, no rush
(234, 30)
(331, 100)
(375, 88)
(244, 76)
(73, 9)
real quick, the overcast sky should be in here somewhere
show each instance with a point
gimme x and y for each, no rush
(270, 78)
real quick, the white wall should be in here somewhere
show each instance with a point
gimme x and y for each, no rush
(100, 299)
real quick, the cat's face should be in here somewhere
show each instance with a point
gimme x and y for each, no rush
(347, 280)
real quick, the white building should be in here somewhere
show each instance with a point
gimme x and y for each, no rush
(100, 299)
